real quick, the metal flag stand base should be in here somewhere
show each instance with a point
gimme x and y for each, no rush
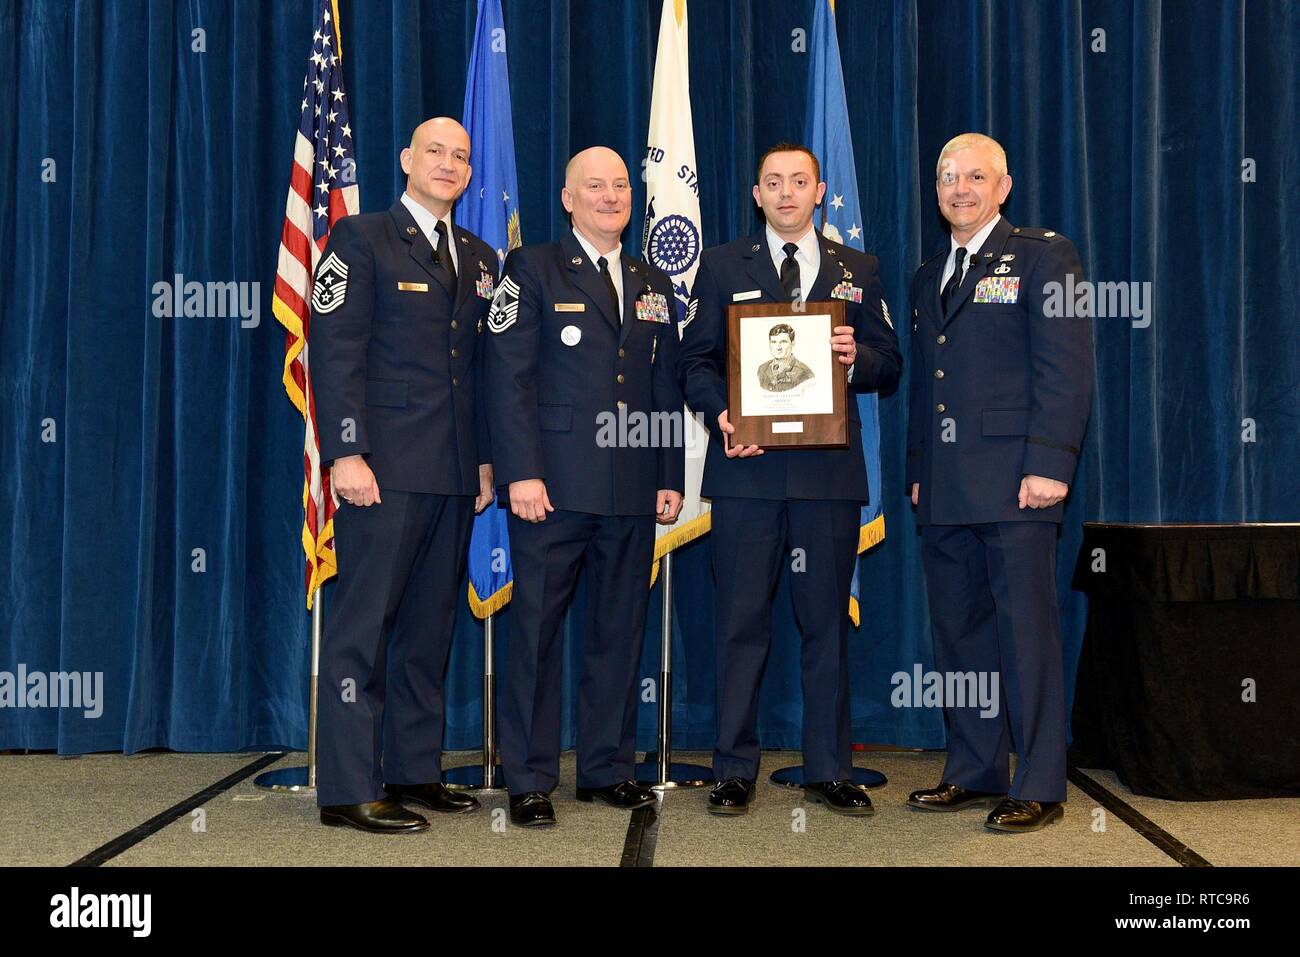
(662, 774)
(302, 780)
(487, 775)
(793, 777)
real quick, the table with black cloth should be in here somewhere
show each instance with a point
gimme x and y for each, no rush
(1189, 677)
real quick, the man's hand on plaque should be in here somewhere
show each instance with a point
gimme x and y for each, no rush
(734, 451)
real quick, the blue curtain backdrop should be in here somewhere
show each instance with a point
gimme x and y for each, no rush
(130, 441)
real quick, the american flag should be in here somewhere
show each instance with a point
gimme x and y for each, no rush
(322, 190)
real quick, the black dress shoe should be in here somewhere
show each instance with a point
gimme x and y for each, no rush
(627, 795)
(842, 797)
(732, 796)
(950, 797)
(531, 809)
(377, 817)
(1022, 816)
(436, 797)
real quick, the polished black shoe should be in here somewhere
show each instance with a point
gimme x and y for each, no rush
(627, 795)
(436, 797)
(531, 809)
(842, 797)
(377, 817)
(732, 796)
(950, 797)
(1023, 816)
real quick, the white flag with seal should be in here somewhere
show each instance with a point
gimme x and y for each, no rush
(671, 237)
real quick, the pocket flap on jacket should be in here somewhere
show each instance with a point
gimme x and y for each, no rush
(1005, 421)
(555, 418)
(386, 392)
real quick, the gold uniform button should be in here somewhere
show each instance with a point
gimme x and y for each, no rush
(455, 382)
(941, 408)
(619, 378)
(622, 404)
(455, 354)
(621, 354)
(941, 340)
(938, 373)
(453, 323)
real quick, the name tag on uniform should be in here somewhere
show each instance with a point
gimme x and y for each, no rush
(848, 292)
(1001, 289)
(413, 286)
(570, 307)
(652, 307)
(742, 296)
(484, 286)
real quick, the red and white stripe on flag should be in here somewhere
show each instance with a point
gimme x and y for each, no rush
(322, 190)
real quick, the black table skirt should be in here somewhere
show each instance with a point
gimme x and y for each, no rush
(1182, 620)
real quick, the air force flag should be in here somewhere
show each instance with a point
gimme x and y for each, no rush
(827, 134)
(490, 209)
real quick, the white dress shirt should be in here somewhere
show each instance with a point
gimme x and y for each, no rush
(974, 246)
(614, 261)
(427, 223)
(808, 257)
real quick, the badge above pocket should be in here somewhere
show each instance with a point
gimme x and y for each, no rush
(652, 307)
(999, 289)
(848, 292)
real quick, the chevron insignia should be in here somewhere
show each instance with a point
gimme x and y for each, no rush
(331, 286)
(505, 306)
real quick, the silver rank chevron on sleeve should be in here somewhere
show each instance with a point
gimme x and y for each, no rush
(505, 306)
(884, 308)
(331, 284)
(690, 313)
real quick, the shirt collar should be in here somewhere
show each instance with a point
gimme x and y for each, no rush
(611, 257)
(807, 245)
(977, 241)
(426, 220)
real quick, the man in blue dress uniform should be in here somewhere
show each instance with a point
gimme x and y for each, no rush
(999, 397)
(770, 504)
(586, 421)
(398, 307)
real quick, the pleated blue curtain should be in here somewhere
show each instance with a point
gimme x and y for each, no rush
(152, 466)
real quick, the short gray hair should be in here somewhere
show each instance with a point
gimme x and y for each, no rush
(964, 141)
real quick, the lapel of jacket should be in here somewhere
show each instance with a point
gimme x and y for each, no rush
(758, 263)
(420, 249)
(586, 276)
(831, 271)
(928, 286)
(468, 270)
(635, 285)
(988, 258)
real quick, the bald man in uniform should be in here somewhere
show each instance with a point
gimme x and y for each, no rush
(582, 336)
(398, 308)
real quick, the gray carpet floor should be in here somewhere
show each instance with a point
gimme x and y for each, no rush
(54, 810)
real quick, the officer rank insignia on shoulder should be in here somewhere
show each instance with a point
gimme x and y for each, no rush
(505, 306)
(652, 307)
(484, 285)
(331, 286)
(1000, 289)
(847, 291)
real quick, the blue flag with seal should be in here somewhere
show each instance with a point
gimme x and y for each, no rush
(827, 134)
(490, 210)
